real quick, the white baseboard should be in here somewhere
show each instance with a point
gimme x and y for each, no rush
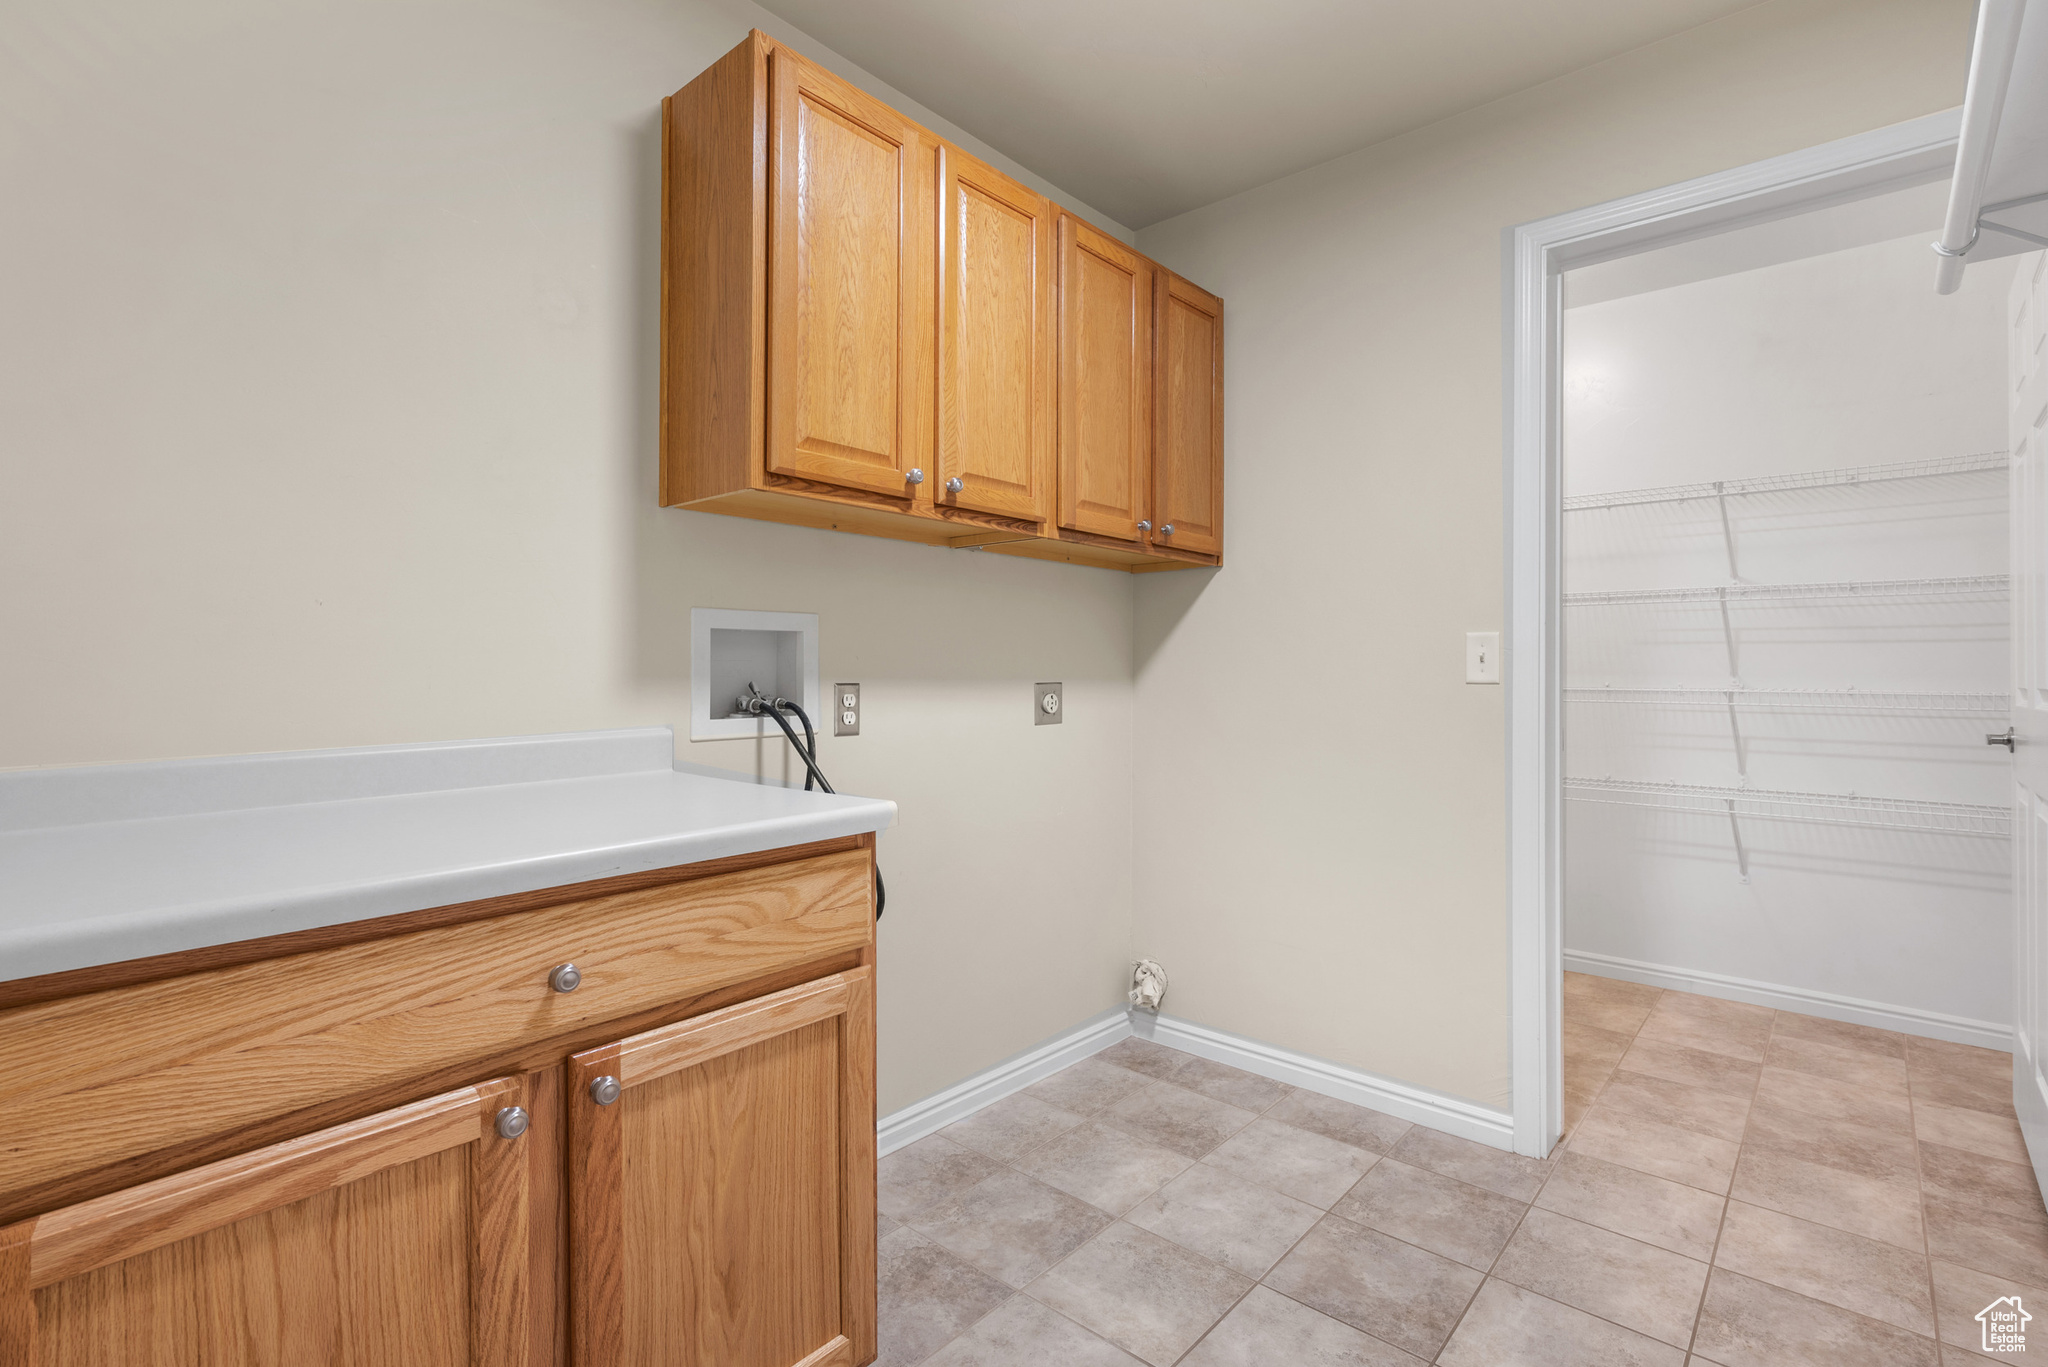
(1420, 1105)
(963, 1099)
(1907, 1020)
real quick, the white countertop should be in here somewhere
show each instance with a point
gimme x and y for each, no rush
(110, 862)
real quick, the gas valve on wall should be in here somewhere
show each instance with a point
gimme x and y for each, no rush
(1148, 985)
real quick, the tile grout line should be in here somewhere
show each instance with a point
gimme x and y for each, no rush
(1115, 1219)
(1556, 1157)
(1011, 1166)
(1920, 1200)
(1728, 1197)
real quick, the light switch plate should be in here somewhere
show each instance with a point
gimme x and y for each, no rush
(1482, 657)
(845, 709)
(1048, 708)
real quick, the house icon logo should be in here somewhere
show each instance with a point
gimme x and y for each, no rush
(2005, 1325)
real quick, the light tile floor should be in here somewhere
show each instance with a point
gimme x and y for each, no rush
(1738, 1188)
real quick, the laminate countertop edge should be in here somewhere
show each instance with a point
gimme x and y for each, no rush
(89, 893)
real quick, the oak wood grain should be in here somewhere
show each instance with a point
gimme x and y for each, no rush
(522, 1056)
(502, 1329)
(596, 1195)
(713, 261)
(263, 1039)
(1188, 464)
(78, 1239)
(842, 282)
(643, 1058)
(731, 1210)
(740, 1225)
(840, 1352)
(996, 343)
(401, 1239)
(1105, 383)
(373, 1274)
(17, 1297)
(548, 1246)
(77, 982)
(857, 1195)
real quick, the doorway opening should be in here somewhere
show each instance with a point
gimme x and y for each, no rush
(1785, 641)
(1857, 195)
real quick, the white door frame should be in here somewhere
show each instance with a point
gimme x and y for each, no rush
(1537, 254)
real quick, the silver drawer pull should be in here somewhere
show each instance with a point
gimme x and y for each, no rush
(512, 1122)
(565, 978)
(605, 1090)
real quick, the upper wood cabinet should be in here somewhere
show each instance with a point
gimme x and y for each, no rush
(845, 262)
(866, 328)
(1105, 390)
(995, 342)
(1187, 482)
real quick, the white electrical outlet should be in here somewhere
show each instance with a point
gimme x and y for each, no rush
(1482, 657)
(846, 709)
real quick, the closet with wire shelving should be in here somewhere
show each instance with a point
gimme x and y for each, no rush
(1785, 640)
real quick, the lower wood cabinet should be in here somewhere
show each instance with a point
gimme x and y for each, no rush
(695, 1188)
(721, 1192)
(405, 1237)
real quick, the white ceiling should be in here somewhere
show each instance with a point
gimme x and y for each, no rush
(1148, 108)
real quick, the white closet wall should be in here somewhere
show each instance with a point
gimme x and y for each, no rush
(1896, 915)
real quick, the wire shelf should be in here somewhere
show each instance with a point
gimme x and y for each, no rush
(1805, 700)
(1954, 587)
(1825, 809)
(1773, 484)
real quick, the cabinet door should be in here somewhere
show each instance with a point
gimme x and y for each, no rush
(1187, 480)
(404, 1238)
(722, 1200)
(1105, 389)
(995, 342)
(848, 240)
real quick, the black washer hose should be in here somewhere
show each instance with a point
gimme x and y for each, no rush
(807, 751)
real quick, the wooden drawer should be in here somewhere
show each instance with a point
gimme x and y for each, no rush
(95, 1080)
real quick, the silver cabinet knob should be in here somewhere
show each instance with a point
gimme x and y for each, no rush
(605, 1090)
(512, 1122)
(954, 486)
(565, 978)
(915, 477)
(1144, 524)
(1167, 530)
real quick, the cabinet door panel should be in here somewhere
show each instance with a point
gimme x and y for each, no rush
(1188, 467)
(406, 1238)
(841, 268)
(722, 1208)
(1105, 390)
(995, 342)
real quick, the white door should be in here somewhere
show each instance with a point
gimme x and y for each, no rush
(2029, 445)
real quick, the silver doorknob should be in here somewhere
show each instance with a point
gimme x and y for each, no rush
(954, 486)
(565, 978)
(512, 1122)
(915, 476)
(1144, 525)
(1167, 530)
(605, 1090)
(2008, 740)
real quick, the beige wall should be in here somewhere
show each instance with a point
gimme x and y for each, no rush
(327, 404)
(1320, 808)
(327, 368)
